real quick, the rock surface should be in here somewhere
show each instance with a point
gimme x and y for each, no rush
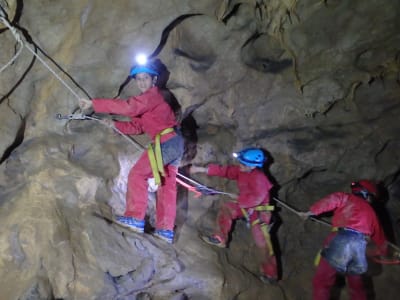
(316, 83)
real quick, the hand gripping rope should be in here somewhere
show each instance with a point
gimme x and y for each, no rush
(81, 116)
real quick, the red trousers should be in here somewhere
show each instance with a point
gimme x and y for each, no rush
(137, 194)
(231, 211)
(325, 277)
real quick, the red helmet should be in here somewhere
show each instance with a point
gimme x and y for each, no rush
(364, 187)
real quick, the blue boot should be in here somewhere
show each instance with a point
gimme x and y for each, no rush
(214, 240)
(165, 235)
(131, 223)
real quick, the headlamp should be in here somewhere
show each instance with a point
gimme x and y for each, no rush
(141, 59)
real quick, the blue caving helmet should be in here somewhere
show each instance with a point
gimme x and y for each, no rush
(147, 68)
(251, 157)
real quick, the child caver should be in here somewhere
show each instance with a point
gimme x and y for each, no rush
(150, 114)
(252, 204)
(354, 222)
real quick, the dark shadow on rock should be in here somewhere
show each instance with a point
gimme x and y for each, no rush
(276, 220)
(263, 53)
(182, 205)
(19, 138)
(384, 216)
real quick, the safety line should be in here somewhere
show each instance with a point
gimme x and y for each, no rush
(298, 213)
(136, 144)
(18, 38)
(19, 41)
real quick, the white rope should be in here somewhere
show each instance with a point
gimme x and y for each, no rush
(18, 38)
(19, 41)
(54, 73)
(285, 205)
(136, 144)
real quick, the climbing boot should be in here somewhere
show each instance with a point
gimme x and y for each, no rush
(214, 240)
(131, 223)
(165, 235)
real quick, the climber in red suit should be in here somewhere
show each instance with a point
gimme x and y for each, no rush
(251, 203)
(354, 223)
(150, 114)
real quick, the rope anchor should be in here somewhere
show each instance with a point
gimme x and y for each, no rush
(71, 117)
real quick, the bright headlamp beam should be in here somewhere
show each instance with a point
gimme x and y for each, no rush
(141, 59)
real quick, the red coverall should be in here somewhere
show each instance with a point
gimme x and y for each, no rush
(254, 190)
(150, 114)
(350, 211)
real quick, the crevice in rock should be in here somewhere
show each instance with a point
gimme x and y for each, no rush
(231, 13)
(19, 138)
(28, 37)
(310, 172)
(168, 29)
(17, 13)
(19, 81)
(265, 64)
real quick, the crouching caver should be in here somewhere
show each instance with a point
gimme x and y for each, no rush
(354, 223)
(252, 204)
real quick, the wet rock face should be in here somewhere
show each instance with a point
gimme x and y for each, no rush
(316, 83)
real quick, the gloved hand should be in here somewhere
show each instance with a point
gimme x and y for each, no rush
(305, 215)
(198, 169)
(85, 104)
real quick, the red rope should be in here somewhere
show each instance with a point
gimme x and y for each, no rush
(385, 261)
(189, 187)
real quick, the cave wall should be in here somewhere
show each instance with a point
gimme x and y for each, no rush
(316, 83)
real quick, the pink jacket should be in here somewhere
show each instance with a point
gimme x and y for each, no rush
(352, 212)
(149, 113)
(253, 187)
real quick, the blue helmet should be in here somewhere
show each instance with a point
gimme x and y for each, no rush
(148, 68)
(251, 157)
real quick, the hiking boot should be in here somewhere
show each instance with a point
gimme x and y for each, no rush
(165, 235)
(131, 223)
(268, 280)
(214, 240)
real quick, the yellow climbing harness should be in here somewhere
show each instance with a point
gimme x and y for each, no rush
(264, 226)
(155, 156)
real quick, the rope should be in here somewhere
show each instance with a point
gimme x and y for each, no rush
(19, 40)
(86, 117)
(17, 37)
(82, 116)
(298, 213)
(136, 144)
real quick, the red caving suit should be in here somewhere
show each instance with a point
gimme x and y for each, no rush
(350, 211)
(149, 114)
(254, 190)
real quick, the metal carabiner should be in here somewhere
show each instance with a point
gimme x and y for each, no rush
(71, 117)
